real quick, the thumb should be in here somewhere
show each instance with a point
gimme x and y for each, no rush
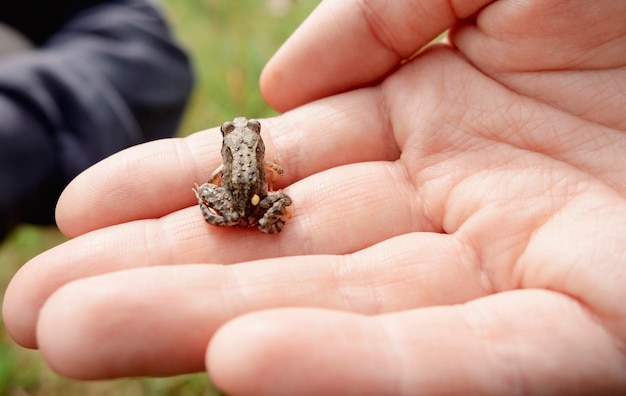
(531, 342)
(346, 44)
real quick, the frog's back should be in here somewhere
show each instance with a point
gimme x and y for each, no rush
(243, 152)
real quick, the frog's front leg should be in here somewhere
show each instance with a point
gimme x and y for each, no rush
(274, 209)
(216, 176)
(216, 205)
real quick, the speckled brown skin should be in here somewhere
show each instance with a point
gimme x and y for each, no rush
(236, 193)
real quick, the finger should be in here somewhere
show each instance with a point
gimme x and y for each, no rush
(575, 64)
(545, 37)
(348, 44)
(154, 179)
(157, 321)
(519, 342)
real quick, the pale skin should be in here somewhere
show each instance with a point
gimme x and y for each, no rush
(471, 236)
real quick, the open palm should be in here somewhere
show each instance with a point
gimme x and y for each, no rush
(458, 226)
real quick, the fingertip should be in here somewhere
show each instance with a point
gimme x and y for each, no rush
(17, 323)
(67, 210)
(19, 317)
(270, 83)
(63, 333)
(234, 356)
(75, 213)
(295, 351)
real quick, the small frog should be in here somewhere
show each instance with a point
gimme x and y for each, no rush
(237, 193)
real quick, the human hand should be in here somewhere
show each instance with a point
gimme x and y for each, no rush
(457, 228)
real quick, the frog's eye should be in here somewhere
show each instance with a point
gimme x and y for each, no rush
(227, 128)
(254, 125)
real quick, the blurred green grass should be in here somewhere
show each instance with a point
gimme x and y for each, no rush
(229, 43)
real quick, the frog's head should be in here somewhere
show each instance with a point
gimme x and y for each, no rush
(242, 140)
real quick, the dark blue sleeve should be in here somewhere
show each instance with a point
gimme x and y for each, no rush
(109, 77)
(40, 19)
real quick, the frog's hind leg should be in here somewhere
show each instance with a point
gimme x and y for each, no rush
(275, 212)
(216, 205)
